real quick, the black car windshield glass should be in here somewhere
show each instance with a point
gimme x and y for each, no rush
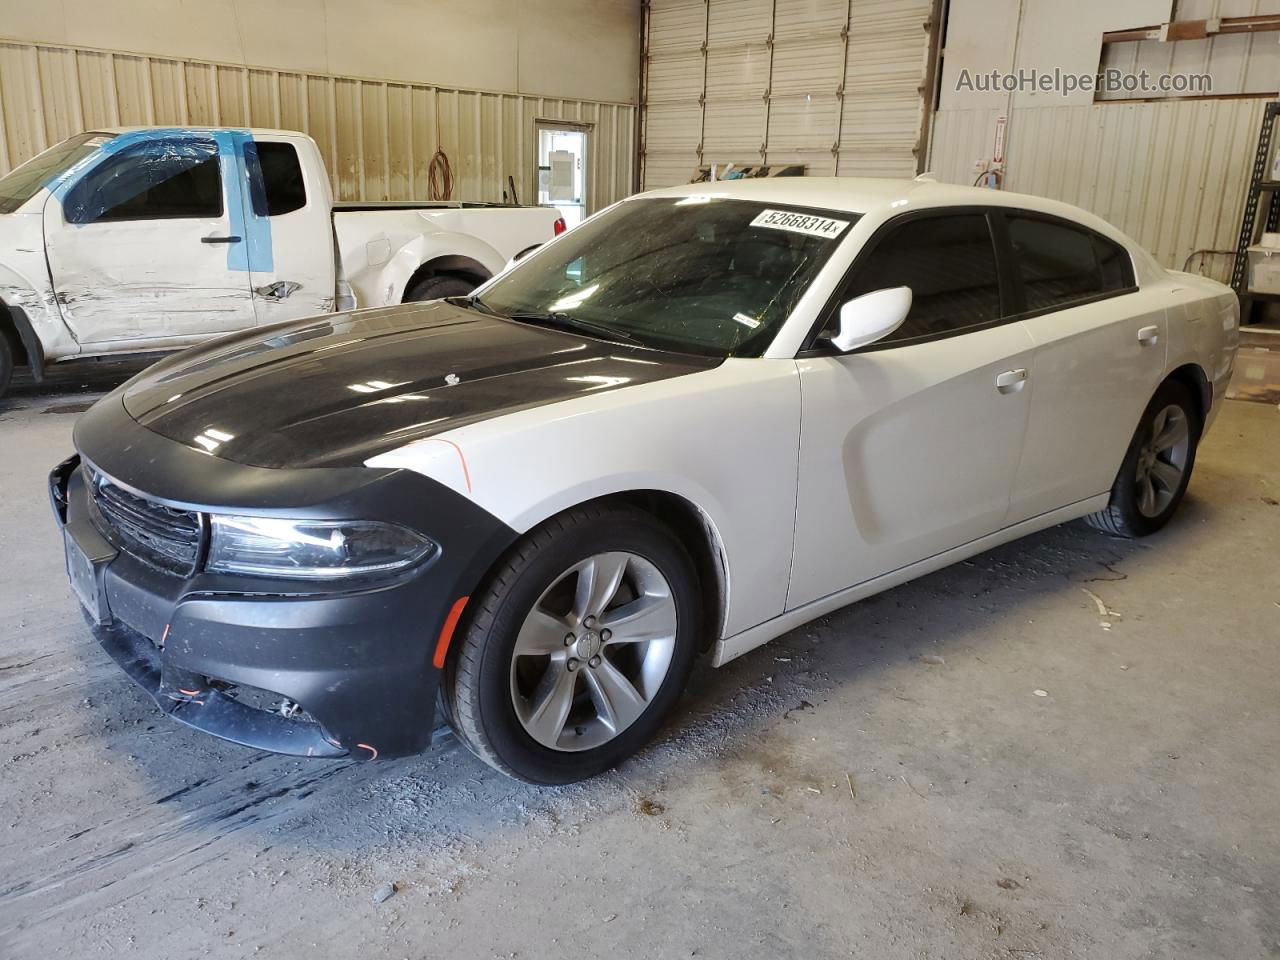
(20, 184)
(698, 275)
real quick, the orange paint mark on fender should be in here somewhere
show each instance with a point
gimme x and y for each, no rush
(466, 474)
(446, 632)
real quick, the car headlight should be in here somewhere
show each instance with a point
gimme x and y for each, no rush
(312, 549)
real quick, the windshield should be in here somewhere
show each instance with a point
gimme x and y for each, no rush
(693, 274)
(22, 183)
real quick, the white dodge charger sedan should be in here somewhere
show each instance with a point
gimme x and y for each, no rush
(703, 417)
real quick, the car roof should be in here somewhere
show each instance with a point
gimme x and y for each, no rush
(198, 128)
(866, 195)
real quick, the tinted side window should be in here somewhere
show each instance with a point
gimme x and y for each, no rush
(279, 188)
(1060, 264)
(150, 181)
(950, 265)
(1114, 264)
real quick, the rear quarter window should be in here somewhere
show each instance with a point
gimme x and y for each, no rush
(276, 178)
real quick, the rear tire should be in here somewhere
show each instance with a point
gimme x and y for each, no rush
(578, 648)
(439, 287)
(1156, 468)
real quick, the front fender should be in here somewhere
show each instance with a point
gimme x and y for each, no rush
(394, 278)
(21, 287)
(724, 440)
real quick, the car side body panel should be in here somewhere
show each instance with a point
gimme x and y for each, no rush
(725, 440)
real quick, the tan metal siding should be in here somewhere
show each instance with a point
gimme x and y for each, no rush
(837, 85)
(377, 136)
(1236, 63)
(1173, 174)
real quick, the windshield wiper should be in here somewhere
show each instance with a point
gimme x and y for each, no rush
(475, 303)
(564, 321)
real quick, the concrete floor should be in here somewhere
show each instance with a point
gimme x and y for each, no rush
(1066, 747)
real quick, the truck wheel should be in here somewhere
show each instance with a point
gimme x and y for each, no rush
(578, 649)
(436, 288)
(1156, 467)
(6, 363)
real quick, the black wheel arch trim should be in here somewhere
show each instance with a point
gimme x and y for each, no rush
(31, 344)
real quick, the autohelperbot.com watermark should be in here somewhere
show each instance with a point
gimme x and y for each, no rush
(1106, 82)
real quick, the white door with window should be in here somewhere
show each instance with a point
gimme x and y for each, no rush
(289, 210)
(1100, 354)
(910, 446)
(562, 170)
(142, 247)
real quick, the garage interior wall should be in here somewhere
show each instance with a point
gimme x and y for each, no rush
(371, 82)
(837, 85)
(1172, 173)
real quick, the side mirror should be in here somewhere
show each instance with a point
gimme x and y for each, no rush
(871, 317)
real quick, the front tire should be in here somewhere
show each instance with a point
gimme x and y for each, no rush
(578, 648)
(1157, 466)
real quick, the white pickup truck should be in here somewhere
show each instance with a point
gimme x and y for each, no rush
(138, 240)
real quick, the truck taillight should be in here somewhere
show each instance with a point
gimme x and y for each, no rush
(560, 226)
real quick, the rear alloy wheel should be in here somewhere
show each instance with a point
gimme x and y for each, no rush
(1156, 468)
(579, 648)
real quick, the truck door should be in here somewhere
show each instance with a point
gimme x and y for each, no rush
(290, 204)
(147, 247)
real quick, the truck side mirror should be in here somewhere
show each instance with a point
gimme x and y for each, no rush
(871, 317)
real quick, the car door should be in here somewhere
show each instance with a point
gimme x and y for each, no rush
(909, 447)
(141, 247)
(289, 211)
(1100, 354)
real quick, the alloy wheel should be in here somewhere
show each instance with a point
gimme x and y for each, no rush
(593, 652)
(1162, 460)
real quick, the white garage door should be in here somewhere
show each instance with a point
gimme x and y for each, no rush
(837, 85)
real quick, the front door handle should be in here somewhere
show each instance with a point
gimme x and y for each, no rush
(1011, 381)
(1149, 335)
(219, 239)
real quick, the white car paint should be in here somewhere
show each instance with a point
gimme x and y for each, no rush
(825, 479)
(126, 286)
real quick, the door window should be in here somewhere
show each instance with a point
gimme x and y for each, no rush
(1060, 265)
(949, 262)
(275, 176)
(150, 181)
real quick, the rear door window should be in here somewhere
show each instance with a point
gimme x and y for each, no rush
(276, 178)
(1060, 265)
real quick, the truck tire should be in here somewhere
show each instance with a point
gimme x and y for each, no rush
(439, 287)
(6, 363)
(608, 656)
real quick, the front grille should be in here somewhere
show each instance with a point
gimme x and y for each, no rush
(164, 536)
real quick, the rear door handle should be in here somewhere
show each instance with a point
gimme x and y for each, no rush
(1011, 381)
(1149, 335)
(219, 239)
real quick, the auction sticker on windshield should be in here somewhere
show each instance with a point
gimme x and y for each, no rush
(800, 223)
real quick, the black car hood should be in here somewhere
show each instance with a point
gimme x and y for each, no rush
(337, 390)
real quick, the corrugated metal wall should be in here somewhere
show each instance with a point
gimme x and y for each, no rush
(377, 136)
(1236, 63)
(1173, 175)
(837, 85)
